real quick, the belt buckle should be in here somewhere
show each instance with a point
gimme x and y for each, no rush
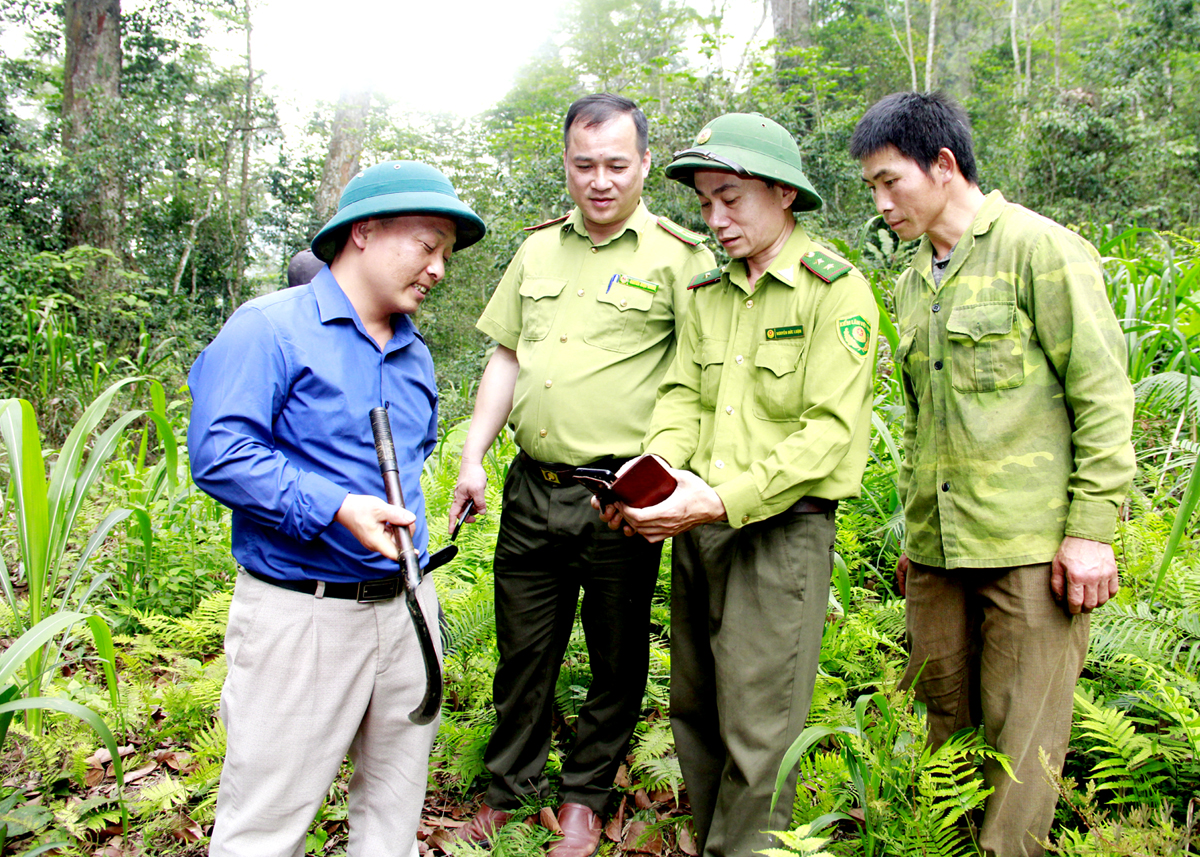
(378, 590)
(550, 476)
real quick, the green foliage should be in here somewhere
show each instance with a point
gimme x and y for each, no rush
(911, 799)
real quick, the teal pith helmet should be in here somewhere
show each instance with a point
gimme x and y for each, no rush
(399, 187)
(747, 144)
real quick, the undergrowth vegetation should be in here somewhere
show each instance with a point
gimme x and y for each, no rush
(110, 741)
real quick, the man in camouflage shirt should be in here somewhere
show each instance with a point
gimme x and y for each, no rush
(1017, 452)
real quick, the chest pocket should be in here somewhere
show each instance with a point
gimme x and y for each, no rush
(711, 357)
(985, 348)
(539, 304)
(620, 318)
(777, 383)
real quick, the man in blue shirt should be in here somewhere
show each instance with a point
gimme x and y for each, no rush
(320, 665)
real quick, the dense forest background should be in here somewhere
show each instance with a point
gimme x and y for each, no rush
(147, 188)
(150, 184)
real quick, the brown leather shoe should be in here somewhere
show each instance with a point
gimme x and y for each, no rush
(581, 832)
(482, 827)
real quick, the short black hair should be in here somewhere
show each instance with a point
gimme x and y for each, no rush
(593, 110)
(303, 267)
(919, 125)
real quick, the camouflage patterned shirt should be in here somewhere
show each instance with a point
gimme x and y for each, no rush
(1019, 409)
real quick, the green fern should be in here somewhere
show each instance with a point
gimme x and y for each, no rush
(799, 842)
(1164, 635)
(655, 765)
(1129, 764)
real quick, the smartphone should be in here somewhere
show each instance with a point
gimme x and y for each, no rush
(599, 481)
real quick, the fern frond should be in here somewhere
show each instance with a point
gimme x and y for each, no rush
(1129, 763)
(1168, 391)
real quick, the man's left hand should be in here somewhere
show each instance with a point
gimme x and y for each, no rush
(692, 503)
(1087, 570)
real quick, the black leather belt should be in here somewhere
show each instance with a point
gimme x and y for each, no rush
(363, 591)
(562, 475)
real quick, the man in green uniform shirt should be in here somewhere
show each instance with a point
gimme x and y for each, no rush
(766, 412)
(585, 318)
(1017, 452)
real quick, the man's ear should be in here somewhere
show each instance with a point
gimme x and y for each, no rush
(788, 195)
(358, 233)
(946, 164)
(646, 163)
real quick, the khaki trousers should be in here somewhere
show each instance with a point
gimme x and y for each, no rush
(993, 648)
(747, 612)
(310, 680)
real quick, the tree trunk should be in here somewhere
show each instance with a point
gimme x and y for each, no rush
(345, 146)
(792, 20)
(91, 98)
(929, 45)
(239, 262)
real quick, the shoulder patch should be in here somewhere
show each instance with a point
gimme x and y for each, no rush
(826, 267)
(855, 333)
(547, 223)
(705, 279)
(687, 236)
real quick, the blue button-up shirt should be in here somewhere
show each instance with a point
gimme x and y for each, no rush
(280, 429)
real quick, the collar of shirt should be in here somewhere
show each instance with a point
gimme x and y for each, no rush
(638, 223)
(985, 219)
(333, 305)
(782, 268)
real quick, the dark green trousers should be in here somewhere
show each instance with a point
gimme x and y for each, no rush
(551, 545)
(747, 610)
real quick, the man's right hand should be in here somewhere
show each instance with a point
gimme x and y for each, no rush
(368, 519)
(902, 574)
(472, 485)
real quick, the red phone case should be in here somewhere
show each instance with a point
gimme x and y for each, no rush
(646, 483)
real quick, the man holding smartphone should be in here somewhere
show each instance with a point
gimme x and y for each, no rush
(586, 319)
(766, 413)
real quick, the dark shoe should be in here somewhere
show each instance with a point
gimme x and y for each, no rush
(581, 832)
(482, 827)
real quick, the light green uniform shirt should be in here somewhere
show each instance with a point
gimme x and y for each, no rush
(769, 397)
(593, 326)
(1019, 411)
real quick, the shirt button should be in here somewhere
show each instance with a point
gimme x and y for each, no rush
(580, 293)
(937, 307)
(718, 464)
(745, 519)
(738, 359)
(937, 365)
(549, 383)
(945, 486)
(749, 303)
(542, 433)
(562, 338)
(624, 303)
(729, 409)
(595, 249)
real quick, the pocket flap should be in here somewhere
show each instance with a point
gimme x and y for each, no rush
(711, 351)
(541, 287)
(627, 297)
(779, 357)
(980, 320)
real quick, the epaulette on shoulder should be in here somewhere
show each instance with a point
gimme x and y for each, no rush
(547, 223)
(705, 279)
(824, 265)
(685, 235)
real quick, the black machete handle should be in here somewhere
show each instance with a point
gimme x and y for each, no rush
(385, 449)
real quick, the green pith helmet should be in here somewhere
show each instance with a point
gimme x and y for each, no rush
(747, 144)
(398, 187)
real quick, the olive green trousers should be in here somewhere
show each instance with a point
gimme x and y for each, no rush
(992, 647)
(551, 545)
(748, 607)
